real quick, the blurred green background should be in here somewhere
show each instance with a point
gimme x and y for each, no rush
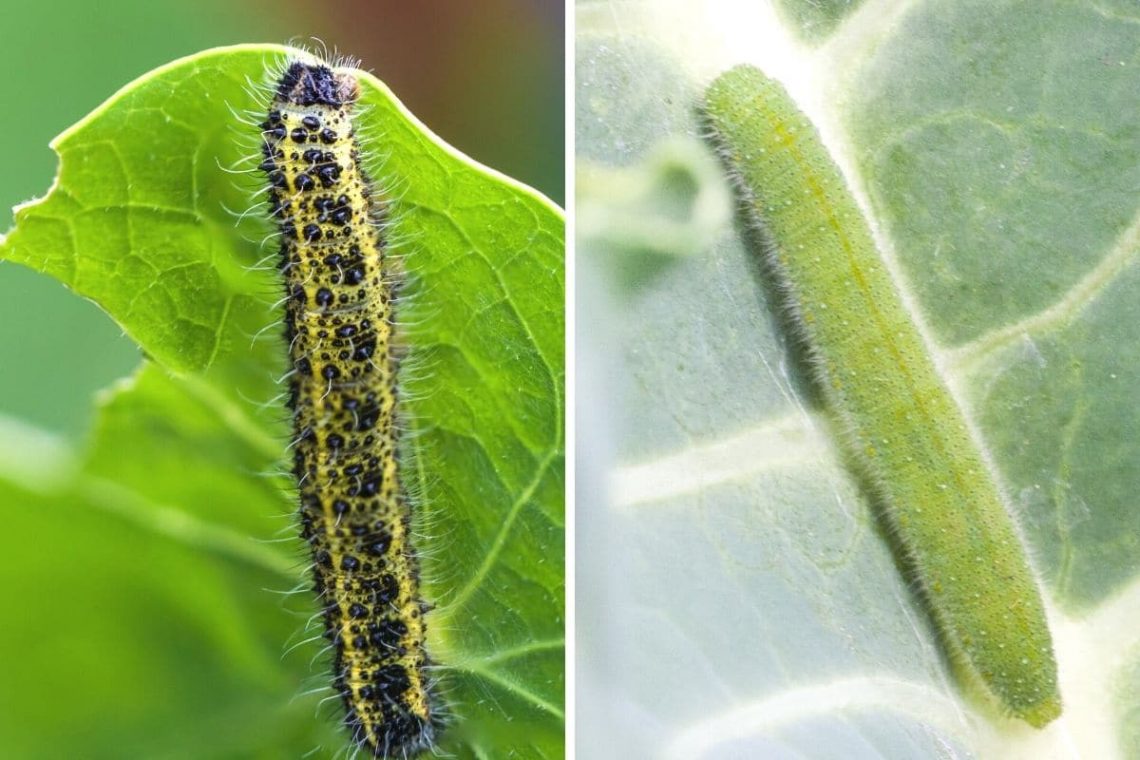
(487, 77)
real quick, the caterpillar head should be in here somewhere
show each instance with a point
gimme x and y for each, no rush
(307, 84)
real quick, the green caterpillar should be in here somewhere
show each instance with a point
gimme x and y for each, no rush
(901, 424)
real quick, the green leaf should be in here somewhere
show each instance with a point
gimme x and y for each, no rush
(815, 19)
(996, 153)
(154, 553)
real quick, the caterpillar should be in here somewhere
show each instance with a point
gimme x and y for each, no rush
(900, 424)
(354, 513)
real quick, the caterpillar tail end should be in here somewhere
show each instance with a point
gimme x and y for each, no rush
(1042, 713)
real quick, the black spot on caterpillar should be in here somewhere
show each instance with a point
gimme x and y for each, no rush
(354, 513)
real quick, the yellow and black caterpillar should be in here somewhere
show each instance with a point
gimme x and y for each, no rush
(355, 515)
